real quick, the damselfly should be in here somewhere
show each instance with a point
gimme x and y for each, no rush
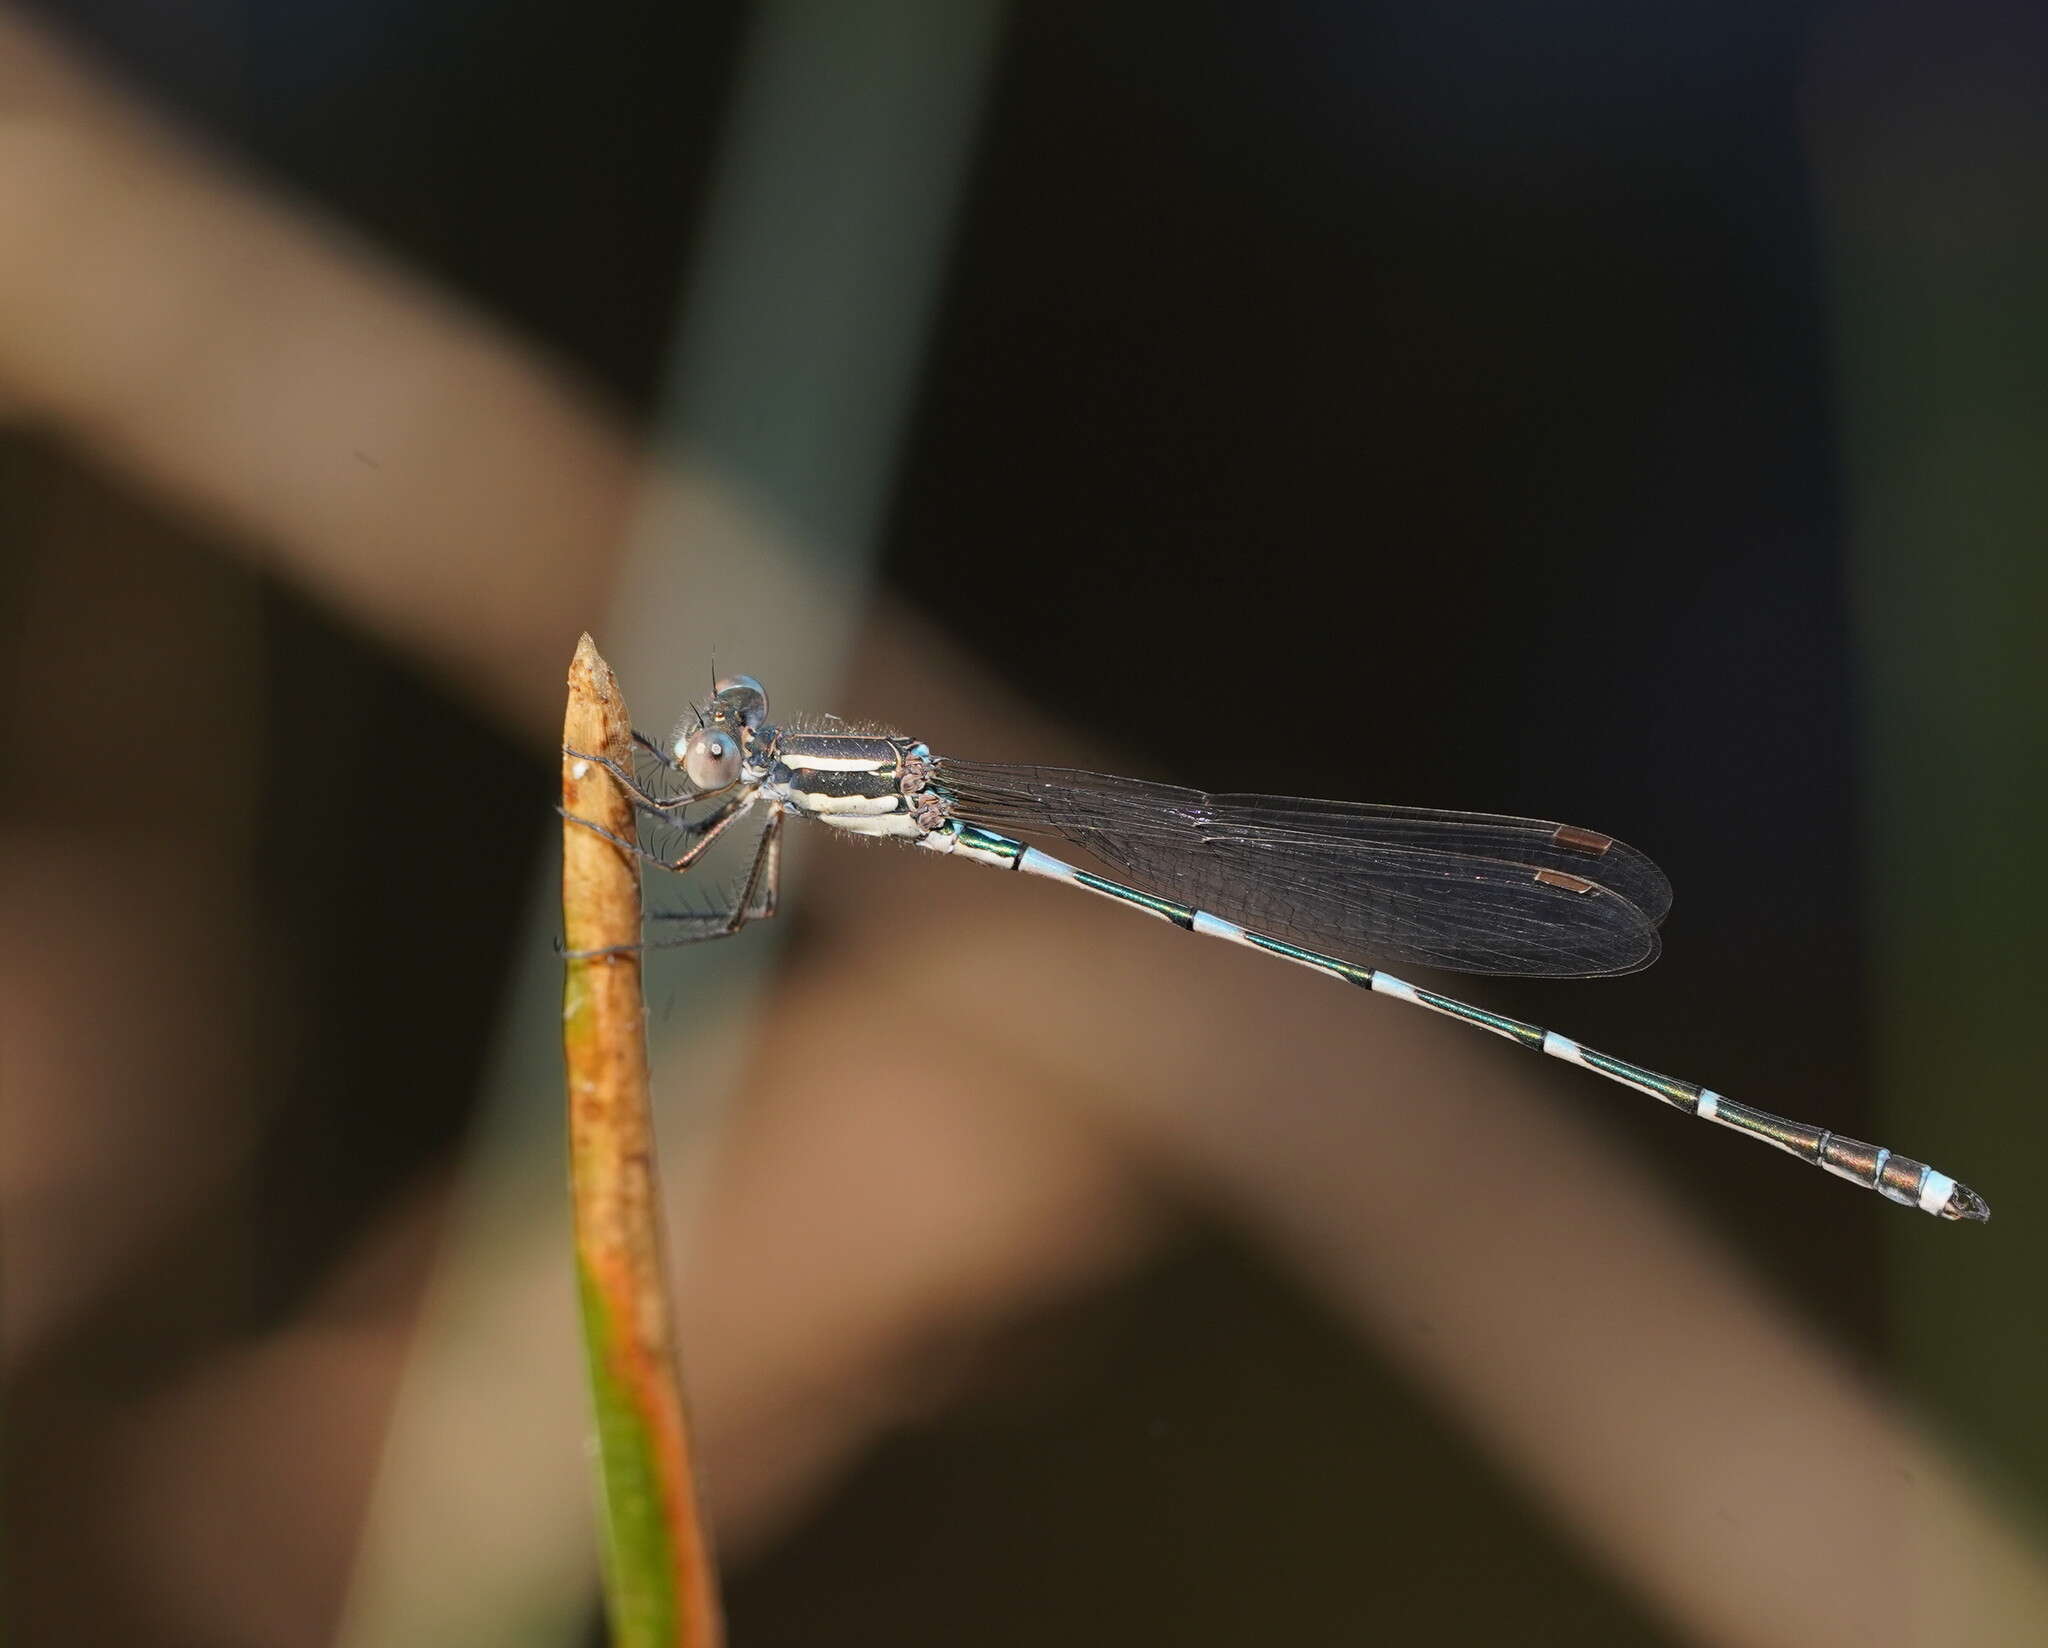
(1308, 881)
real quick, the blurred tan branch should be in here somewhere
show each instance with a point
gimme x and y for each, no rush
(264, 369)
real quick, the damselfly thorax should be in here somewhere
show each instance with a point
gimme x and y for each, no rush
(1312, 882)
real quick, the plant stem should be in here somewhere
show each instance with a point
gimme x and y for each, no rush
(661, 1588)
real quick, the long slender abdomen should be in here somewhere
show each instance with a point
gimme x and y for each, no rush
(1898, 1178)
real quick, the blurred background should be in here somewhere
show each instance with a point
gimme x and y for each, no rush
(1618, 415)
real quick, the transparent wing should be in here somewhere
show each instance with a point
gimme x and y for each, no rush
(1471, 892)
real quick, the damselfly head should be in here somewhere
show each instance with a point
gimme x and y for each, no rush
(711, 741)
(711, 758)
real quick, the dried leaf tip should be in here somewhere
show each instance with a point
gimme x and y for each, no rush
(589, 674)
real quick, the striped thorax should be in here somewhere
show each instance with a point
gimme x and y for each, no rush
(860, 784)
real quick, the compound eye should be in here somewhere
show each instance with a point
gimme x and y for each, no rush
(746, 697)
(711, 760)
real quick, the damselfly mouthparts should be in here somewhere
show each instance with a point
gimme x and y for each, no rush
(1307, 881)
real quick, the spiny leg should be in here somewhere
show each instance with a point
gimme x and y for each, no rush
(757, 902)
(701, 834)
(630, 781)
(771, 857)
(758, 899)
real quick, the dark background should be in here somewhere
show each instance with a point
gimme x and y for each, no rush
(1388, 401)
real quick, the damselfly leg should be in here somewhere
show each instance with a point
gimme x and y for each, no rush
(701, 834)
(637, 792)
(759, 896)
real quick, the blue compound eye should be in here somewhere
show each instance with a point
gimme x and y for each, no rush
(745, 697)
(711, 760)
